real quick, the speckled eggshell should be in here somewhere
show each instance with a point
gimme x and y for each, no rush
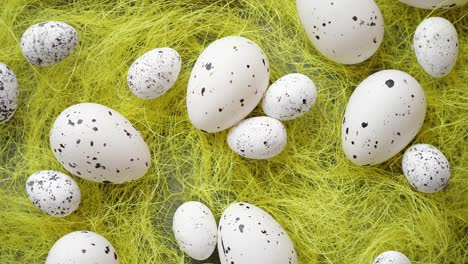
(82, 247)
(48, 43)
(258, 138)
(154, 73)
(8, 93)
(227, 83)
(289, 97)
(436, 46)
(53, 192)
(195, 230)
(96, 143)
(391, 257)
(426, 168)
(384, 113)
(431, 4)
(344, 31)
(247, 234)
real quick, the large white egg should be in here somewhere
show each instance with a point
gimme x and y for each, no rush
(247, 234)
(436, 46)
(432, 4)
(227, 83)
(8, 93)
(384, 113)
(195, 230)
(154, 73)
(53, 192)
(426, 168)
(289, 97)
(344, 31)
(96, 143)
(48, 43)
(258, 138)
(391, 257)
(82, 247)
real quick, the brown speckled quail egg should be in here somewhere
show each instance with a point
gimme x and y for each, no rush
(48, 43)
(426, 168)
(82, 247)
(260, 137)
(391, 257)
(435, 4)
(8, 93)
(289, 97)
(195, 230)
(154, 73)
(248, 234)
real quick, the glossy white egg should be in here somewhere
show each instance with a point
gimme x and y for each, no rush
(48, 43)
(82, 247)
(247, 234)
(391, 257)
(96, 143)
(289, 97)
(435, 4)
(8, 93)
(154, 73)
(195, 230)
(227, 83)
(258, 138)
(384, 113)
(344, 31)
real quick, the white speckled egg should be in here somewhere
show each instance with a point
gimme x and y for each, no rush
(391, 257)
(96, 143)
(290, 97)
(247, 235)
(436, 46)
(154, 73)
(48, 43)
(227, 83)
(432, 4)
(8, 93)
(195, 230)
(258, 138)
(344, 31)
(384, 113)
(426, 168)
(53, 192)
(82, 247)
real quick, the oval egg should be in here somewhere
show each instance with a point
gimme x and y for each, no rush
(53, 192)
(154, 73)
(96, 143)
(82, 247)
(289, 97)
(8, 93)
(195, 230)
(47, 43)
(426, 168)
(391, 257)
(435, 4)
(436, 46)
(344, 31)
(258, 138)
(384, 113)
(227, 83)
(247, 234)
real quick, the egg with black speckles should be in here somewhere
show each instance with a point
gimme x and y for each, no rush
(435, 4)
(53, 192)
(248, 234)
(96, 143)
(289, 97)
(154, 73)
(47, 43)
(426, 168)
(195, 230)
(227, 83)
(260, 137)
(436, 46)
(384, 113)
(8, 93)
(344, 31)
(392, 257)
(82, 247)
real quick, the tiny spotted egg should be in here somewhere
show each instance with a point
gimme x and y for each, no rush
(8, 93)
(435, 4)
(391, 257)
